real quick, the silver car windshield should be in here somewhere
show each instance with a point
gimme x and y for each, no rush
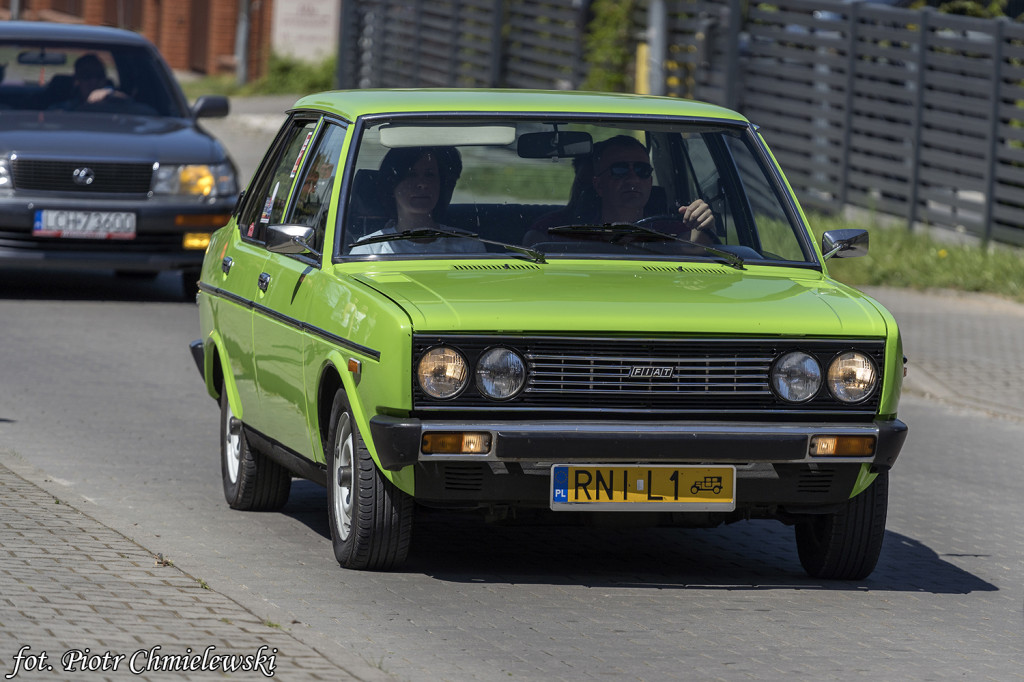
(568, 188)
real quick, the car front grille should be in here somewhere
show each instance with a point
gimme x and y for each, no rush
(694, 376)
(100, 177)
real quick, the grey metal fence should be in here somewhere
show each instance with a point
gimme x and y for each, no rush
(911, 113)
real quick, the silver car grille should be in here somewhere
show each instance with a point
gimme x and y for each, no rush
(658, 376)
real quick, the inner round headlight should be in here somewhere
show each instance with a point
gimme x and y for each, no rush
(442, 372)
(500, 373)
(852, 377)
(796, 377)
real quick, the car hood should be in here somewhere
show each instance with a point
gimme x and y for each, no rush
(629, 299)
(94, 136)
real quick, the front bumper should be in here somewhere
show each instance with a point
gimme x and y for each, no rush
(160, 227)
(398, 442)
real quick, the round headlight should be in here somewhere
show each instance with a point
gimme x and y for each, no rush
(442, 372)
(796, 377)
(852, 377)
(500, 373)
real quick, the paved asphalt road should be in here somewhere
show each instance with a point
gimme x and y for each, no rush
(99, 398)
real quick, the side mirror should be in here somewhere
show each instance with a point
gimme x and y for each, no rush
(290, 239)
(211, 106)
(844, 243)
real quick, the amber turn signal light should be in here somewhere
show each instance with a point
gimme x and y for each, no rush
(443, 443)
(195, 241)
(843, 446)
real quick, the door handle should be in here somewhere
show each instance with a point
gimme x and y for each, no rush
(263, 282)
(226, 264)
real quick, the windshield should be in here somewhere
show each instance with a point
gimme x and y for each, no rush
(566, 188)
(62, 77)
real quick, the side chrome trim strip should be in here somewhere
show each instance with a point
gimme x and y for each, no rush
(327, 336)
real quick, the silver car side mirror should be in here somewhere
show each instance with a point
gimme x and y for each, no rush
(290, 239)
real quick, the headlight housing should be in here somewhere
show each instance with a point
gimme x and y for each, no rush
(442, 372)
(198, 180)
(500, 373)
(796, 377)
(852, 377)
(5, 174)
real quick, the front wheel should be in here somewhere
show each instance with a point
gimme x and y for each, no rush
(845, 545)
(370, 518)
(252, 482)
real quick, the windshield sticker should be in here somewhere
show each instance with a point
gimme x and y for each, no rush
(269, 206)
(302, 153)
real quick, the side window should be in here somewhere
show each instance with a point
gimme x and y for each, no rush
(314, 199)
(267, 197)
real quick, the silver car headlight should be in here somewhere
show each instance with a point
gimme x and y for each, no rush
(5, 174)
(198, 180)
(852, 377)
(796, 377)
(442, 372)
(500, 373)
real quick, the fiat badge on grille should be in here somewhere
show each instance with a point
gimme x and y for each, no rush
(651, 372)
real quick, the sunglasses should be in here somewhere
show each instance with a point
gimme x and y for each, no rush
(620, 169)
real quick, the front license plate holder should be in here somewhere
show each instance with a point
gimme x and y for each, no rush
(642, 487)
(84, 224)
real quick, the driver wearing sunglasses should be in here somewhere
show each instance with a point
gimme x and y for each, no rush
(622, 182)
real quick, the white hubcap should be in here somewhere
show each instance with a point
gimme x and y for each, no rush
(232, 447)
(343, 476)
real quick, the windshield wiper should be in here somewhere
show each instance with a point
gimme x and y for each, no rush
(629, 228)
(434, 233)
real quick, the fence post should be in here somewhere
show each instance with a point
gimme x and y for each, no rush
(922, 49)
(497, 42)
(657, 46)
(348, 46)
(579, 57)
(851, 84)
(732, 57)
(993, 131)
(453, 47)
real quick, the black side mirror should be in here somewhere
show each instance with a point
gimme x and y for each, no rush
(211, 106)
(844, 243)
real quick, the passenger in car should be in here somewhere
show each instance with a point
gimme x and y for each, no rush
(415, 186)
(613, 185)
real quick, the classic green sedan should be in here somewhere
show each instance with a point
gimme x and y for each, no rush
(521, 303)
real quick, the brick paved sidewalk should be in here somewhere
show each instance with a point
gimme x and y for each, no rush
(75, 590)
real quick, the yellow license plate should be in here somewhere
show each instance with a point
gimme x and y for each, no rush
(666, 487)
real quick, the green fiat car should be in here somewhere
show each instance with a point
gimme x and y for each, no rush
(523, 303)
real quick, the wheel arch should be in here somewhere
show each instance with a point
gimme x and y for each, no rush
(332, 378)
(217, 374)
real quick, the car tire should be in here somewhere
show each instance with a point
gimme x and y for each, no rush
(252, 481)
(845, 545)
(370, 517)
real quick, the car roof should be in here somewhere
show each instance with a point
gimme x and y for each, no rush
(71, 33)
(351, 104)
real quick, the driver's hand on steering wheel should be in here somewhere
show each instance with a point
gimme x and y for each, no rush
(701, 221)
(101, 94)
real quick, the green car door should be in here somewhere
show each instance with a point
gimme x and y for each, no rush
(283, 298)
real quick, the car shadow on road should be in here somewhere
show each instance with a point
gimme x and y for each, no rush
(750, 555)
(67, 285)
